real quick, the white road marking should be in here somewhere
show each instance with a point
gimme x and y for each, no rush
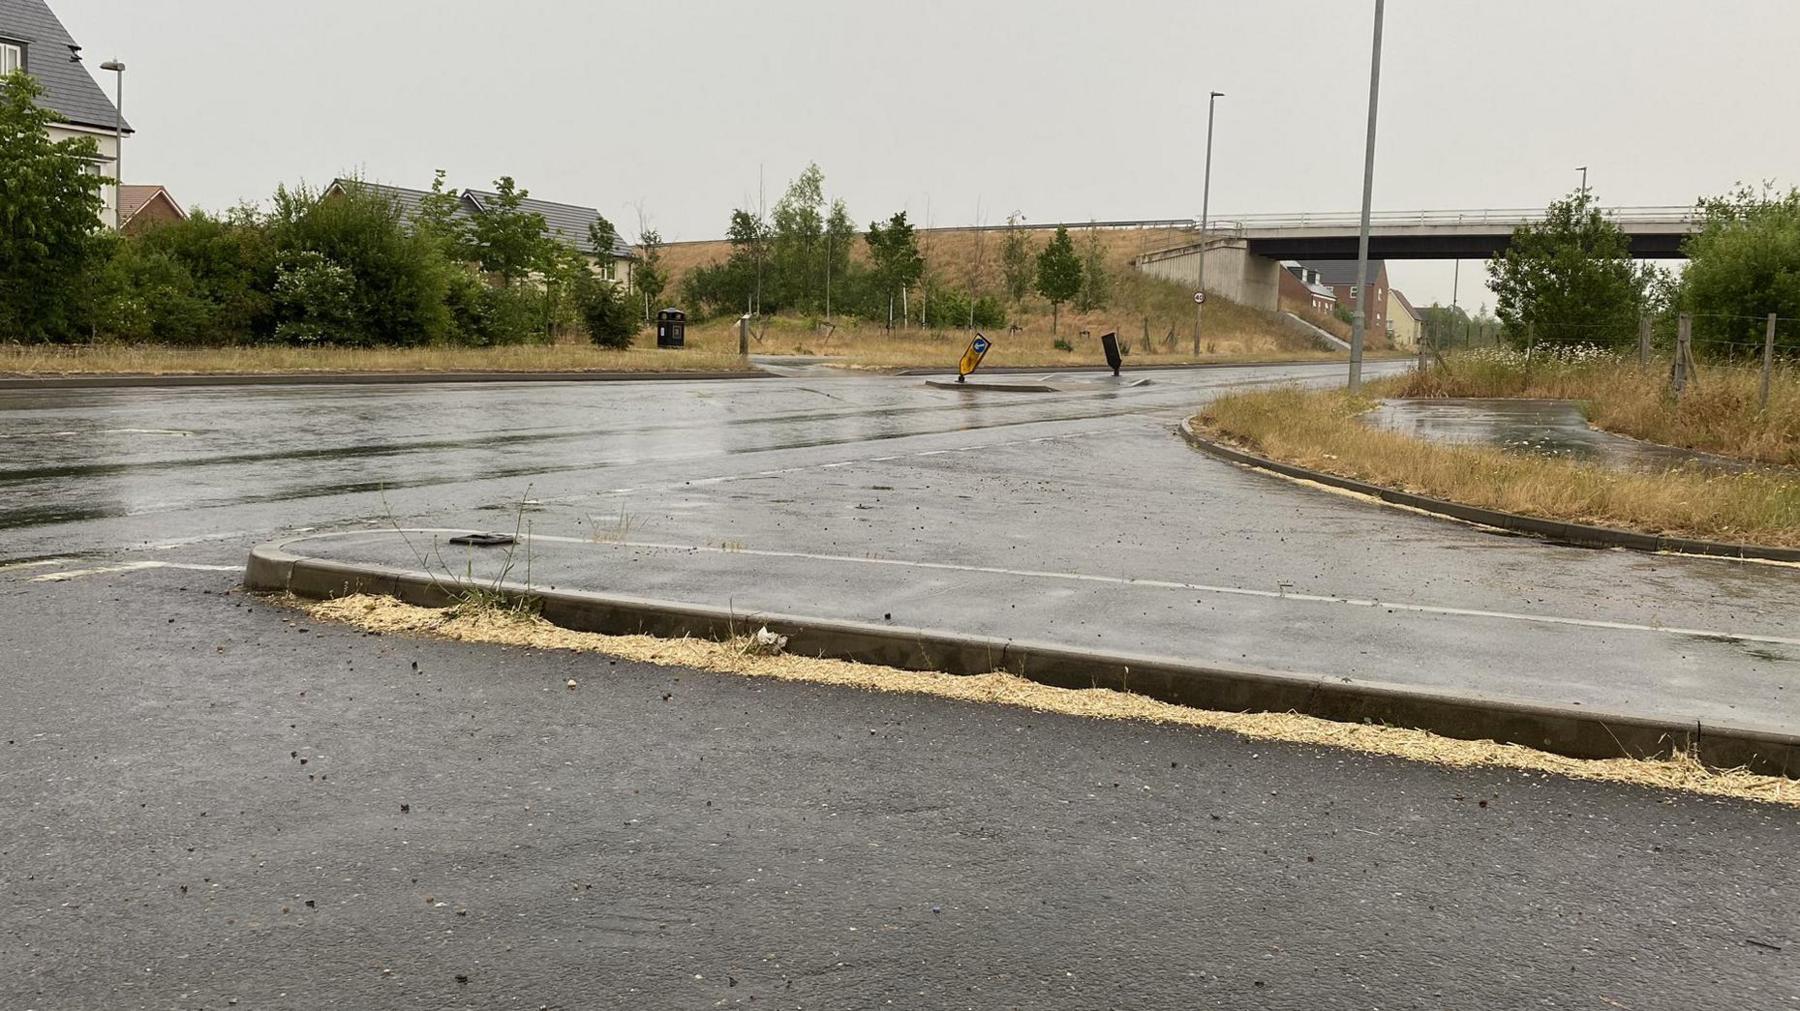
(105, 570)
(1232, 591)
(32, 565)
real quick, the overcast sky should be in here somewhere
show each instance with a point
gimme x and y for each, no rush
(1057, 109)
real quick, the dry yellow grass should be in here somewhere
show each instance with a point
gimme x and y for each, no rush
(1719, 412)
(151, 359)
(514, 628)
(1319, 429)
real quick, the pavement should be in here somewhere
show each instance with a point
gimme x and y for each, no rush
(157, 721)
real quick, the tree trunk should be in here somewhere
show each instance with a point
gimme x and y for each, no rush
(1055, 307)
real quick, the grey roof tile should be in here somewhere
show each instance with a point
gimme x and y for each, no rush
(69, 90)
(565, 221)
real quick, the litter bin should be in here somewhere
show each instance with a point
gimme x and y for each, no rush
(671, 328)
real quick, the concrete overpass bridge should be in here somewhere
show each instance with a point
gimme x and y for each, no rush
(1654, 232)
(1244, 252)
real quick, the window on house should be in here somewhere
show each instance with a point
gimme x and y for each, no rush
(606, 268)
(12, 57)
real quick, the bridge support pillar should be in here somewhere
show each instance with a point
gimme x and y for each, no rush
(1232, 271)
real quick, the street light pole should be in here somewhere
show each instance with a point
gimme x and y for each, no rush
(1205, 201)
(1583, 170)
(1360, 318)
(118, 142)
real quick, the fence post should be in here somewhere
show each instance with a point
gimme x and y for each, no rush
(744, 336)
(1768, 359)
(1644, 340)
(1678, 369)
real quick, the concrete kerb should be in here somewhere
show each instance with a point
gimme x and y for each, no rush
(101, 381)
(1571, 731)
(951, 384)
(1579, 534)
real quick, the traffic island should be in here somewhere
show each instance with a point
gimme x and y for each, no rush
(410, 566)
(1315, 436)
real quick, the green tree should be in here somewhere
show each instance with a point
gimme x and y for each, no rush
(1017, 267)
(894, 248)
(508, 240)
(798, 254)
(750, 237)
(840, 236)
(1096, 283)
(1570, 278)
(1058, 273)
(1743, 264)
(440, 218)
(49, 215)
(650, 275)
(602, 237)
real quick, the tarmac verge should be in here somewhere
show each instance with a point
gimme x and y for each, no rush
(101, 381)
(1579, 534)
(1576, 732)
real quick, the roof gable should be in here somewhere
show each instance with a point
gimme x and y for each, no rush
(69, 91)
(1344, 271)
(133, 199)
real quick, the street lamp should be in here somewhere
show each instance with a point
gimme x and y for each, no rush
(1360, 317)
(1205, 199)
(118, 142)
(1583, 170)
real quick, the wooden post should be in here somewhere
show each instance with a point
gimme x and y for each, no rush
(1678, 369)
(744, 336)
(1147, 347)
(1644, 341)
(1768, 359)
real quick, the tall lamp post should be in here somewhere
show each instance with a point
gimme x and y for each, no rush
(118, 142)
(1205, 200)
(1583, 170)
(1358, 320)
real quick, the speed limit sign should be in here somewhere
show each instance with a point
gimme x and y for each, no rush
(1199, 298)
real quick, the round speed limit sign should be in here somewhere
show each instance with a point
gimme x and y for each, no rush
(1199, 298)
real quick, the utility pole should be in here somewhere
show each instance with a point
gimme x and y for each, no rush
(1455, 285)
(1359, 319)
(118, 142)
(1583, 170)
(1205, 200)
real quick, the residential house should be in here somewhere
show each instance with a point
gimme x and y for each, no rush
(34, 41)
(1405, 324)
(142, 207)
(1302, 291)
(567, 223)
(1340, 277)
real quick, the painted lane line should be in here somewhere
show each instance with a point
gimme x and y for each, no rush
(105, 570)
(1232, 591)
(15, 566)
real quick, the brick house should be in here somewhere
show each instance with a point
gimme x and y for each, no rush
(1302, 291)
(1340, 277)
(142, 207)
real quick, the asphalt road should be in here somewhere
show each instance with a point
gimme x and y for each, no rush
(209, 799)
(822, 848)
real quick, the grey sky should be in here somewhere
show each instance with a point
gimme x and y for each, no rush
(1061, 110)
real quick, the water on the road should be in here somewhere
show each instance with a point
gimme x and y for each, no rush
(1541, 427)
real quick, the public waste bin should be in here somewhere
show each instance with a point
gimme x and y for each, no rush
(671, 328)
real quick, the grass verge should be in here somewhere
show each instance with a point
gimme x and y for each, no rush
(1320, 430)
(1719, 413)
(151, 359)
(512, 627)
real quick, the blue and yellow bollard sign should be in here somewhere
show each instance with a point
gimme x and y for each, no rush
(971, 359)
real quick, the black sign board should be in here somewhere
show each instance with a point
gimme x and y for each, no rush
(1110, 341)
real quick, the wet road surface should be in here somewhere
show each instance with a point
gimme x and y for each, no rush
(608, 848)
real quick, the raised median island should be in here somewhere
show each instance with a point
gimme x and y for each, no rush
(1752, 502)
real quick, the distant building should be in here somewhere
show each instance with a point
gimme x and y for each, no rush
(566, 223)
(1405, 324)
(1340, 277)
(34, 41)
(1302, 290)
(142, 207)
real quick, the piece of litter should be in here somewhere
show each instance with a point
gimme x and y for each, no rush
(572, 684)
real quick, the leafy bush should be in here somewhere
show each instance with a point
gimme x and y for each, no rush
(484, 316)
(145, 294)
(950, 307)
(607, 314)
(317, 300)
(397, 281)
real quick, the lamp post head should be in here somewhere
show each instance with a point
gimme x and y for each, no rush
(1217, 94)
(113, 65)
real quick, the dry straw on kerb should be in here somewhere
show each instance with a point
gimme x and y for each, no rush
(514, 628)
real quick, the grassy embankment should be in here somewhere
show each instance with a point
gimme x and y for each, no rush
(1139, 305)
(39, 359)
(1319, 429)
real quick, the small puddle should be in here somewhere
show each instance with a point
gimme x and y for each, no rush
(1554, 428)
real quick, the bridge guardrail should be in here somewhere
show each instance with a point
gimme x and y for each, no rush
(1241, 223)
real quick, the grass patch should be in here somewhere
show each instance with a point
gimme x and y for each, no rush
(152, 359)
(1320, 430)
(516, 628)
(1719, 412)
